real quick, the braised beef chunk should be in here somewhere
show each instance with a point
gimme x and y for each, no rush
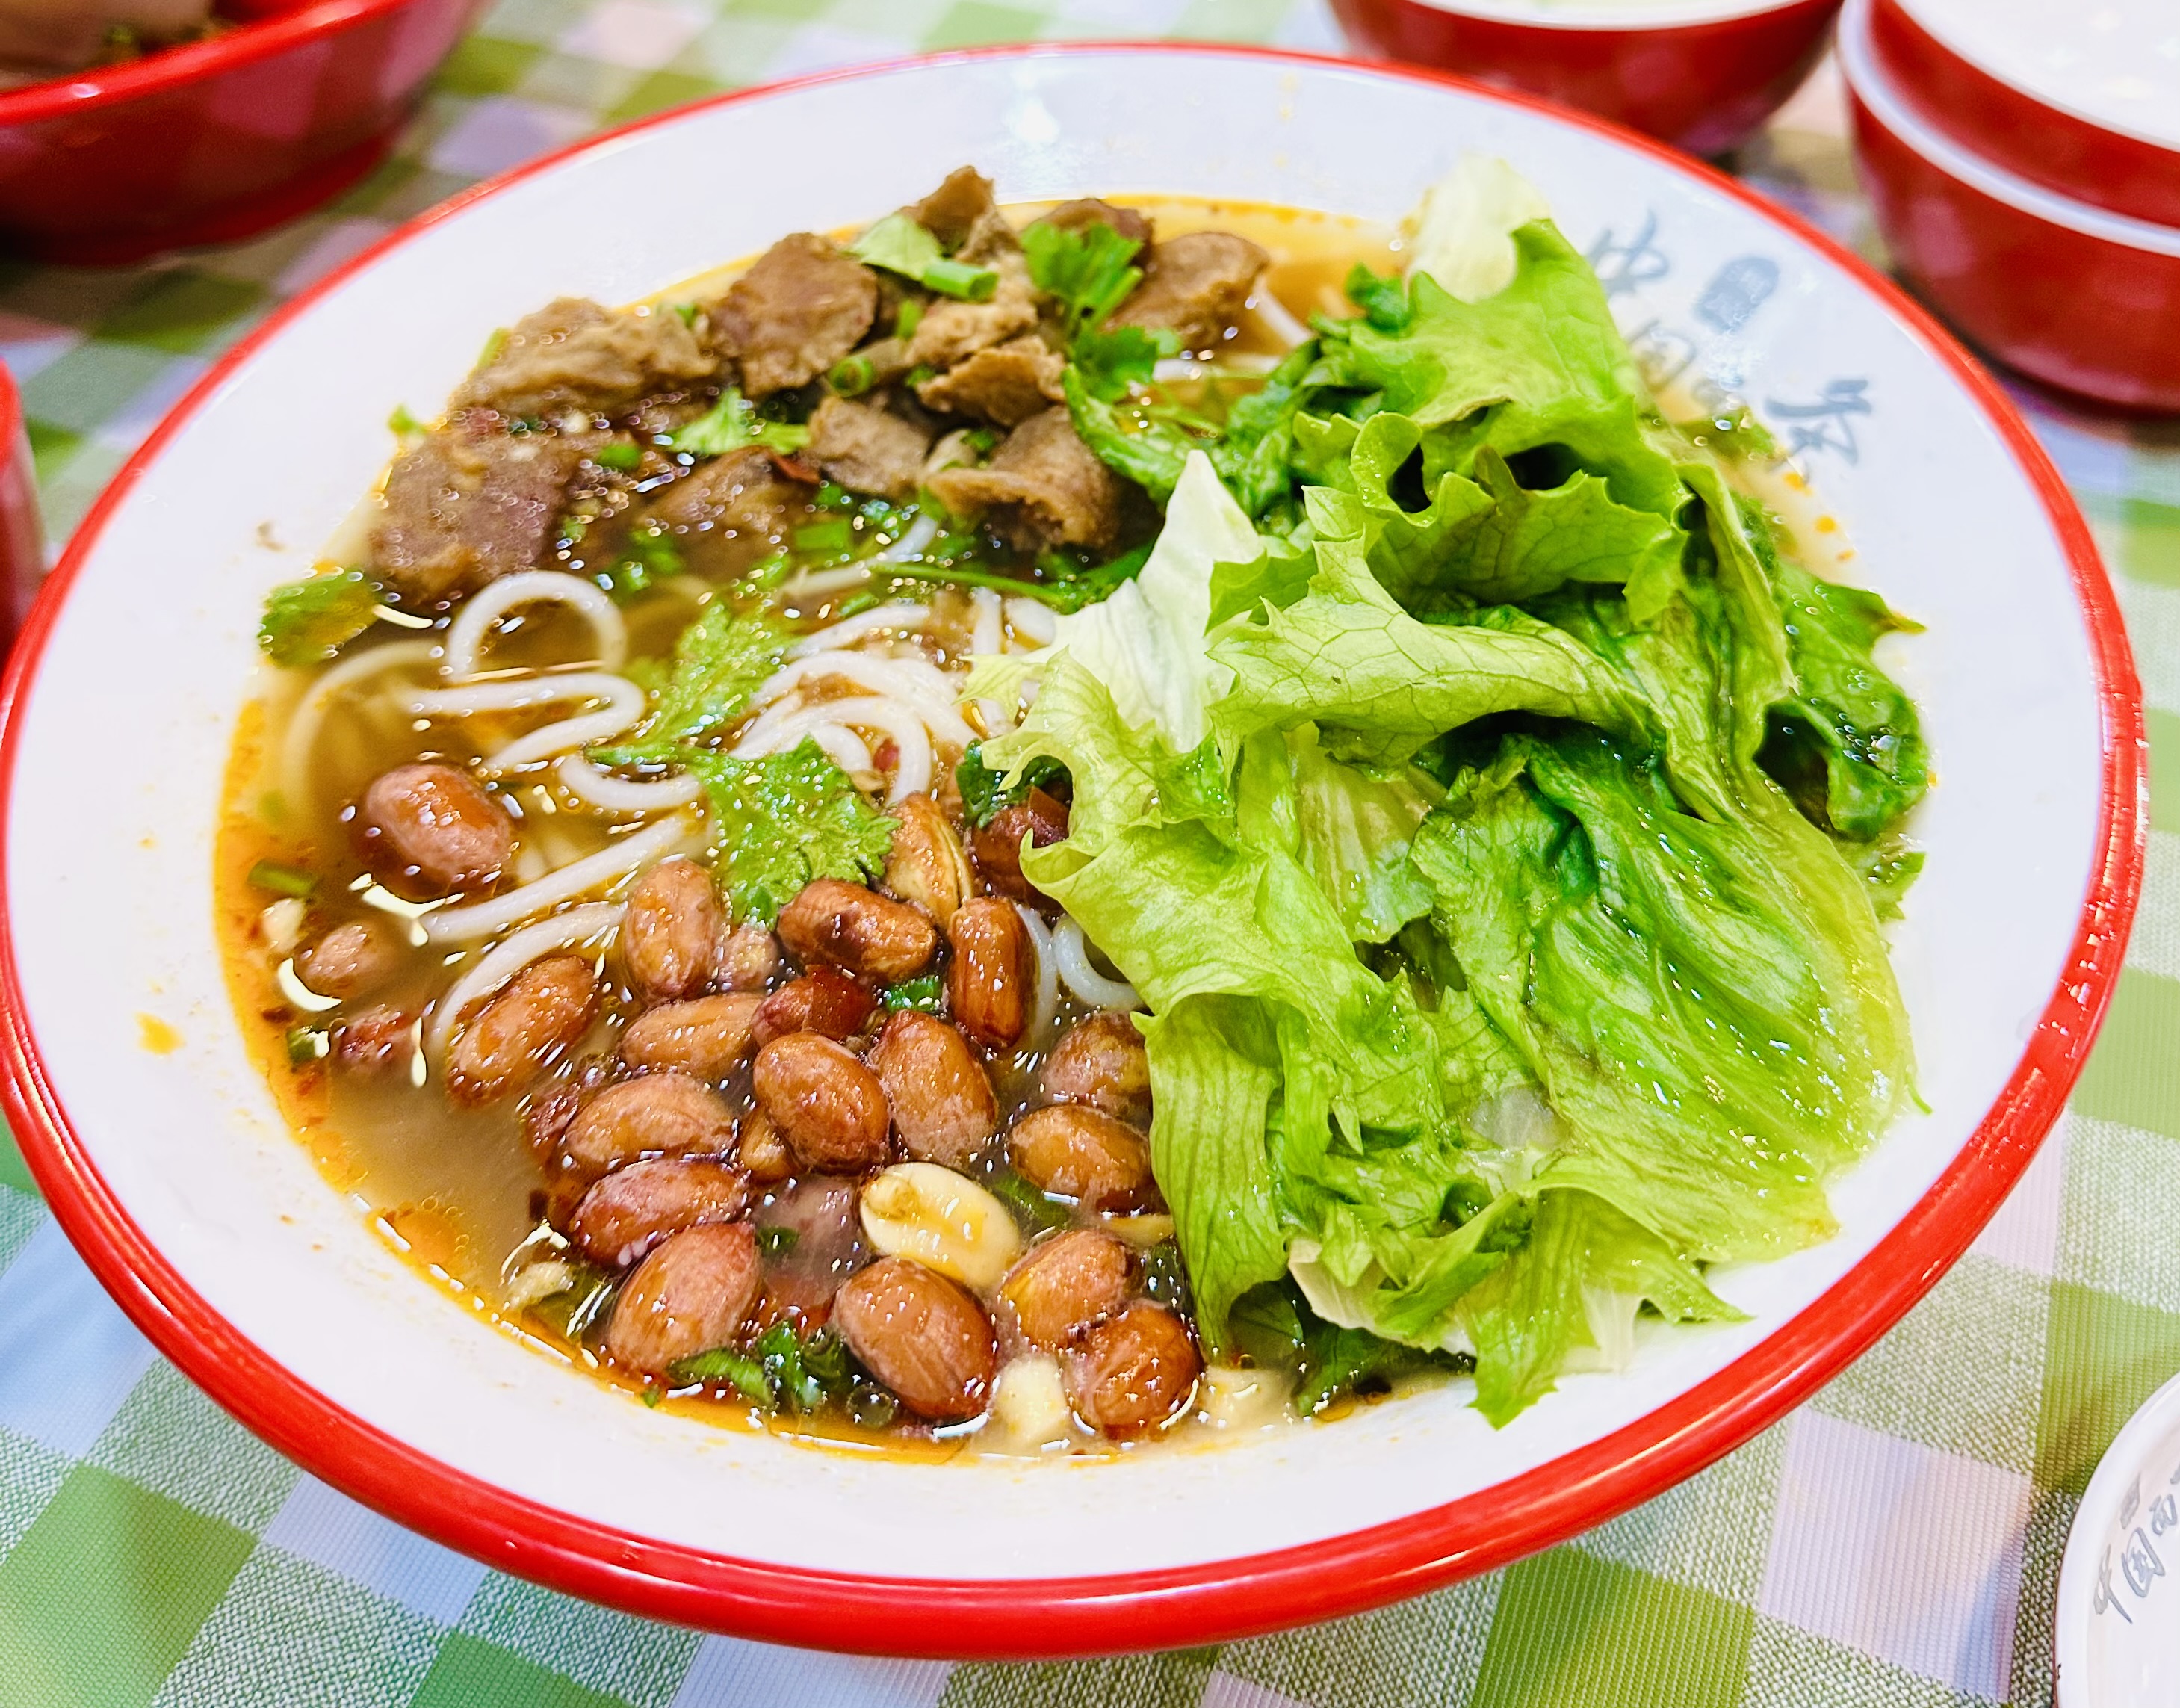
(1043, 487)
(1077, 216)
(954, 210)
(1007, 383)
(867, 449)
(726, 514)
(951, 330)
(1194, 286)
(572, 354)
(472, 503)
(803, 306)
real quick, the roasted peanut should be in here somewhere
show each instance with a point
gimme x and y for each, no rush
(655, 1114)
(828, 1107)
(848, 926)
(762, 1154)
(1075, 1152)
(691, 1294)
(706, 1036)
(545, 1008)
(1066, 1284)
(1132, 1371)
(547, 1110)
(348, 961)
(627, 1213)
(824, 1001)
(998, 845)
(942, 1219)
(938, 1093)
(1101, 1061)
(379, 1040)
(922, 1335)
(989, 980)
(670, 934)
(427, 830)
(748, 957)
(926, 866)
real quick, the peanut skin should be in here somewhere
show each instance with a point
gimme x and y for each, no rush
(988, 981)
(691, 1294)
(427, 830)
(544, 1009)
(670, 935)
(847, 926)
(938, 1092)
(921, 1334)
(828, 1107)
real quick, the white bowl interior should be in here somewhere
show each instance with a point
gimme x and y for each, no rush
(128, 723)
(2116, 63)
(1610, 14)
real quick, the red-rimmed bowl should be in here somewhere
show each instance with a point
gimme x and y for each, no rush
(2071, 294)
(219, 140)
(174, 1175)
(22, 536)
(1701, 74)
(2088, 107)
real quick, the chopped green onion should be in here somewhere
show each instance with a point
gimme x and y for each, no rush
(776, 1241)
(958, 278)
(852, 376)
(724, 1365)
(922, 994)
(918, 375)
(307, 1043)
(688, 311)
(836, 536)
(284, 880)
(623, 457)
(493, 346)
(1026, 1201)
(871, 1406)
(910, 318)
(652, 1395)
(401, 423)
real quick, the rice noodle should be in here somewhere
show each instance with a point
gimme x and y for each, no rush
(1277, 318)
(625, 704)
(509, 956)
(845, 749)
(912, 684)
(483, 919)
(1048, 978)
(596, 788)
(466, 635)
(815, 584)
(921, 533)
(1070, 958)
(912, 767)
(308, 716)
(988, 639)
(900, 615)
(1033, 621)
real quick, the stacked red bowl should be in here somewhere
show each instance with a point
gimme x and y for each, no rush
(2026, 173)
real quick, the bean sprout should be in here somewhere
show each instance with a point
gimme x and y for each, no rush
(509, 956)
(1033, 620)
(596, 788)
(911, 768)
(465, 637)
(921, 533)
(1070, 958)
(310, 714)
(1047, 977)
(900, 615)
(483, 919)
(626, 703)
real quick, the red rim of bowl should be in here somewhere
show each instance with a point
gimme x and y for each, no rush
(2063, 148)
(172, 67)
(1173, 1606)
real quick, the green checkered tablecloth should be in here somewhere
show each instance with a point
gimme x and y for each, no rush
(1896, 1542)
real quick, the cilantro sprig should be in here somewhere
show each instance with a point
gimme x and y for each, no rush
(733, 424)
(899, 244)
(1091, 272)
(306, 622)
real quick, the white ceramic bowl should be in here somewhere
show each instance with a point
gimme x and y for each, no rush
(2118, 1638)
(178, 1183)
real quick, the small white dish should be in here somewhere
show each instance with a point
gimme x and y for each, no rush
(2119, 1584)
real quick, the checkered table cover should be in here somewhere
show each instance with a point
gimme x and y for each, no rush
(1896, 1542)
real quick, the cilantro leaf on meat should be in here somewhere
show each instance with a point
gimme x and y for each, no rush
(733, 424)
(308, 622)
(1089, 271)
(899, 244)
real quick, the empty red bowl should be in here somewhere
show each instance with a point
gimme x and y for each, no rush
(2069, 294)
(1701, 74)
(2089, 108)
(22, 539)
(218, 139)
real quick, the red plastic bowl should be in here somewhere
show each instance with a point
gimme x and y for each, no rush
(218, 140)
(2073, 153)
(1704, 83)
(2069, 294)
(22, 539)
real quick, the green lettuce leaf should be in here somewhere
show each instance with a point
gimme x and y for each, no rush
(1356, 827)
